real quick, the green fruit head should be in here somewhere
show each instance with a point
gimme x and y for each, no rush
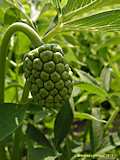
(47, 75)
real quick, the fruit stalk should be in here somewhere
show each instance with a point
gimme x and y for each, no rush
(18, 26)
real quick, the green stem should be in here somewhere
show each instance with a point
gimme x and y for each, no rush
(18, 26)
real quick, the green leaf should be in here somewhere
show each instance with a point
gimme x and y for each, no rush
(11, 116)
(10, 94)
(22, 44)
(86, 77)
(78, 115)
(72, 5)
(96, 6)
(41, 154)
(11, 15)
(97, 130)
(112, 142)
(57, 5)
(106, 78)
(105, 21)
(37, 135)
(94, 65)
(93, 89)
(33, 108)
(63, 123)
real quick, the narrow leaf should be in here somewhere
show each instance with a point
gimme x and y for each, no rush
(106, 78)
(110, 145)
(96, 6)
(78, 115)
(57, 5)
(63, 123)
(72, 5)
(97, 129)
(86, 77)
(109, 21)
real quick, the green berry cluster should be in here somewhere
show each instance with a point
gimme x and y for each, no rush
(47, 75)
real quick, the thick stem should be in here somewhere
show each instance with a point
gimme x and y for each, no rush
(18, 26)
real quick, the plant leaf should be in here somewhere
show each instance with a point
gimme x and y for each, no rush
(113, 142)
(41, 153)
(106, 78)
(63, 123)
(86, 77)
(97, 130)
(96, 6)
(93, 89)
(78, 115)
(36, 134)
(57, 5)
(11, 116)
(109, 20)
(72, 5)
(11, 15)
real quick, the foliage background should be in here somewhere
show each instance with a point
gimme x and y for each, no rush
(88, 32)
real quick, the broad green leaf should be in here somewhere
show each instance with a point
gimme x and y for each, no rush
(94, 66)
(93, 89)
(115, 85)
(17, 5)
(37, 135)
(105, 21)
(22, 44)
(11, 15)
(70, 56)
(11, 116)
(78, 115)
(106, 78)
(96, 6)
(10, 94)
(63, 123)
(41, 154)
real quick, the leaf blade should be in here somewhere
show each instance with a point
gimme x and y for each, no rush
(63, 123)
(105, 21)
(35, 134)
(93, 89)
(10, 118)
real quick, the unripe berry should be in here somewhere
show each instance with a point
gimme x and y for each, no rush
(48, 76)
